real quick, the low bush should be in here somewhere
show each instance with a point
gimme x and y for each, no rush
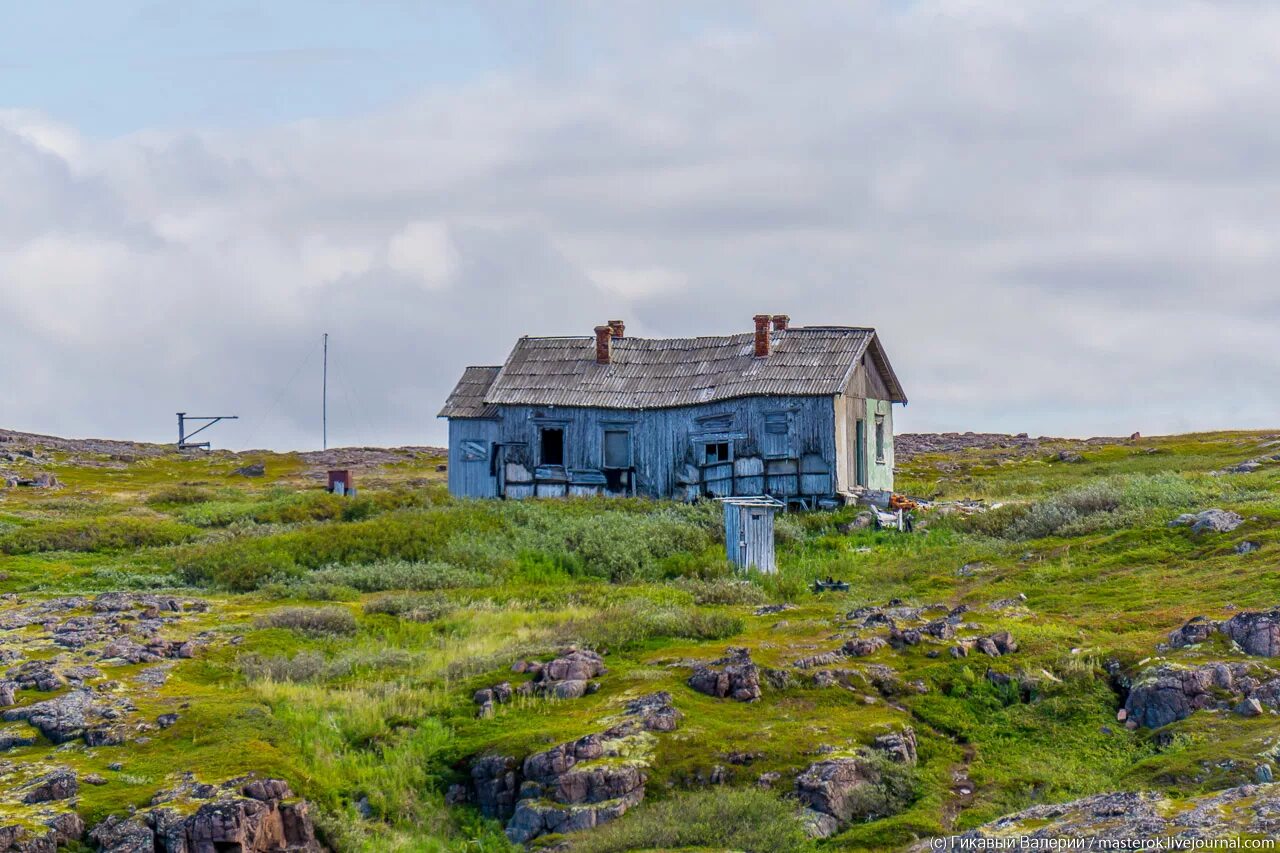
(114, 533)
(723, 591)
(399, 574)
(239, 564)
(622, 627)
(415, 608)
(1101, 505)
(718, 819)
(183, 495)
(315, 621)
(303, 667)
(311, 591)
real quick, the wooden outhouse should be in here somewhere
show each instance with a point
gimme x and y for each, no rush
(748, 532)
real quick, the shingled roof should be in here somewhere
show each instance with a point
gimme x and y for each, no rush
(467, 398)
(652, 373)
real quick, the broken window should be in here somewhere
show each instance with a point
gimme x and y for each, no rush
(717, 451)
(617, 448)
(879, 438)
(777, 435)
(474, 451)
(552, 446)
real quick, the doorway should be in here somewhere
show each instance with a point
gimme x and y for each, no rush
(860, 453)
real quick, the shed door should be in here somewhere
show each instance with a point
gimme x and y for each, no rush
(757, 538)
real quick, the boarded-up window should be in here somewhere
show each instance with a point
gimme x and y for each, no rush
(777, 435)
(879, 438)
(475, 451)
(617, 448)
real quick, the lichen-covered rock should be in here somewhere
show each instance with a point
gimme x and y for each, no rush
(260, 816)
(536, 817)
(565, 677)
(858, 787)
(655, 711)
(60, 830)
(1250, 811)
(60, 719)
(898, 747)
(1256, 633)
(123, 835)
(60, 784)
(1166, 693)
(496, 785)
(1196, 630)
(734, 676)
(1209, 521)
(860, 647)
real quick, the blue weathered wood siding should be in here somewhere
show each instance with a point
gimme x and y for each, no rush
(470, 472)
(664, 442)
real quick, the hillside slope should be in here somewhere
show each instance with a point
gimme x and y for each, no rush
(211, 650)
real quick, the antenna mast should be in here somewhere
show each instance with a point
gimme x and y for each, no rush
(324, 397)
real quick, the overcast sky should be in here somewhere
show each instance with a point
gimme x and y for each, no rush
(1062, 217)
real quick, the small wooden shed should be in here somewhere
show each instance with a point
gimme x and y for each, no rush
(748, 532)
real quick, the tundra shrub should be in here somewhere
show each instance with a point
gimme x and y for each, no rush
(629, 626)
(114, 533)
(719, 819)
(179, 496)
(723, 591)
(399, 574)
(238, 565)
(414, 608)
(316, 621)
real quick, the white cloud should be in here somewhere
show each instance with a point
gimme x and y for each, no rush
(424, 251)
(1057, 215)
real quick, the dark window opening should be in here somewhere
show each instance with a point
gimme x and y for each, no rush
(552, 447)
(717, 451)
(617, 448)
(879, 438)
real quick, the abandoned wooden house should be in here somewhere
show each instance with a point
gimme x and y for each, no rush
(804, 414)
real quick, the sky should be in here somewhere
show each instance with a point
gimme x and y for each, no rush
(1061, 217)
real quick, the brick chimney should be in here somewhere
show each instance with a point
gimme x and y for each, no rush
(780, 322)
(619, 328)
(604, 336)
(762, 335)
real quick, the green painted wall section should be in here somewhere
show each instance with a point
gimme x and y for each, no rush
(879, 468)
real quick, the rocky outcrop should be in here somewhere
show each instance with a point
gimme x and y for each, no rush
(1251, 811)
(59, 831)
(58, 785)
(1168, 692)
(575, 785)
(497, 785)
(253, 816)
(489, 697)
(565, 677)
(860, 647)
(654, 712)
(1255, 632)
(734, 676)
(1209, 521)
(838, 791)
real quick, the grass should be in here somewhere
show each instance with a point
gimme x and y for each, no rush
(364, 626)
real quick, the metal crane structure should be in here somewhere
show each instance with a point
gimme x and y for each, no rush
(184, 437)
